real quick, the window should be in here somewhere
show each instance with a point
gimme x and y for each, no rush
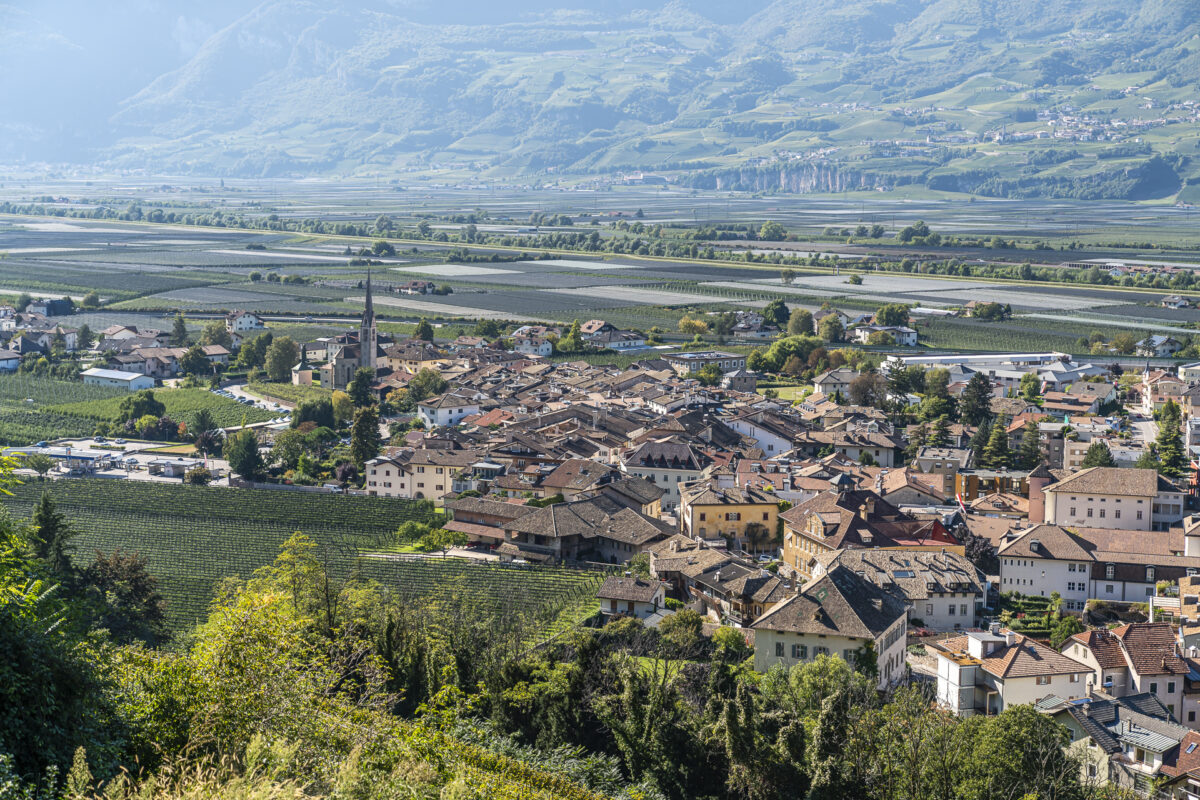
(1108, 588)
(766, 516)
(1117, 513)
(1043, 680)
(779, 649)
(1170, 687)
(951, 611)
(1072, 511)
(963, 609)
(929, 608)
(1074, 678)
(1149, 574)
(1102, 513)
(1110, 571)
(799, 651)
(733, 516)
(1139, 511)
(1089, 512)
(1154, 688)
(703, 516)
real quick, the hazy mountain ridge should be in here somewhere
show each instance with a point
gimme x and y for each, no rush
(300, 86)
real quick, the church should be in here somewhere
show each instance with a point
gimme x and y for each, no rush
(352, 351)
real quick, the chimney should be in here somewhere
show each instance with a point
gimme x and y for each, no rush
(994, 628)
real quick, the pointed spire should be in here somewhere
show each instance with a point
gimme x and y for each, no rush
(369, 310)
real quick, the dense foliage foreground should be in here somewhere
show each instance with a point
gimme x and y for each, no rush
(301, 683)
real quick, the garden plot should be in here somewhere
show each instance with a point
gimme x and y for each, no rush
(456, 270)
(633, 294)
(276, 254)
(570, 263)
(213, 295)
(12, 251)
(1017, 298)
(1118, 322)
(875, 282)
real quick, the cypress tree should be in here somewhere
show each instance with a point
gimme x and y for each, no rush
(52, 536)
(995, 453)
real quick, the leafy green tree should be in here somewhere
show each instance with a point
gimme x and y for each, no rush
(39, 463)
(1172, 458)
(360, 387)
(426, 383)
(1017, 753)
(709, 375)
(90, 300)
(1030, 454)
(772, 231)
(241, 451)
(215, 333)
(787, 276)
(140, 404)
(194, 362)
(129, 605)
(755, 362)
(776, 313)
(800, 323)
(573, 341)
(830, 328)
(1097, 455)
(487, 328)
(84, 338)
(682, 632)
(282, 355)
(1065, 629)
(781, 350)
(893, 314)
(1031, 387)
(973, 405)
(365, 439)
(996, 454)
(179, 333)
(52, 537)
(424, 331)
(318, 411)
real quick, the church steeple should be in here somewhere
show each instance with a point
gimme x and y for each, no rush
(368, 339)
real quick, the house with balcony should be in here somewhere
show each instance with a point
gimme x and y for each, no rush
(1135, 659)
(986, 672)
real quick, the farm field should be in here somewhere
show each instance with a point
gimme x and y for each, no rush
(288, 392)
(26, 416)
(193, 537)
(181, 405)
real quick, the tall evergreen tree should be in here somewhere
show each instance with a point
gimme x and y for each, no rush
(980, 439)
(1030, 454)
(917, 440)
(1097, 455)
(940, 435)
(52, 536)
(996, 454)
(1172, 459)
(179, 334)
(973, 405)
(365, 439)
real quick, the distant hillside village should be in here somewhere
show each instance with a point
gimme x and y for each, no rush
(1014, 528)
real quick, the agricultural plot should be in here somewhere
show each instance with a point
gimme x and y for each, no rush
(25, 416)
(193, 537)
(181, 405)
(625, 295)
(289, 393)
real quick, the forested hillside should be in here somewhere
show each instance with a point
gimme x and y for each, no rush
(1009, 98)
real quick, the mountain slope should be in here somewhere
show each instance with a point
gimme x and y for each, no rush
(998, 96)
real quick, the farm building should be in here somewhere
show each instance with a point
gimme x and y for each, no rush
(130, 381)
